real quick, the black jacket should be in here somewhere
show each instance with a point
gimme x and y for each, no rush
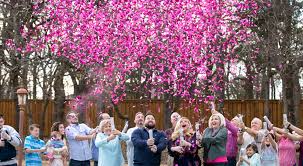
(143, 156)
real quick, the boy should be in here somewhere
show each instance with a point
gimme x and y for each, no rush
(33, 146)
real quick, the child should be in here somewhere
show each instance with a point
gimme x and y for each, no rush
(33, 147)
(252, 158)
(108, 142)
(269, 151)
(55, 147)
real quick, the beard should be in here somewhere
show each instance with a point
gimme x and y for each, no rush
(150, 125)
(141, 123)
(76, 122)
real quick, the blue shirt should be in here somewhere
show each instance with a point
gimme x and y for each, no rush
(79, 150)
(33, 159)
(95, 151)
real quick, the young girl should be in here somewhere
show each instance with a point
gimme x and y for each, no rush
(108, 142)
(185, 150)
(269, 151)
(56, 146)
(252, 158)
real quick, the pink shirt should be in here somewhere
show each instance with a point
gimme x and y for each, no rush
(222, 159)
(287, 152)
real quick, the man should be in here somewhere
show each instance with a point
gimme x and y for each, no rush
(174, 118)
(78, 137)
(9, 141)
(147, 150)
(251, 135)
(95, 150)
(139, 121)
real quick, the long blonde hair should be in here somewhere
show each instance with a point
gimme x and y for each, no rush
(176, 133)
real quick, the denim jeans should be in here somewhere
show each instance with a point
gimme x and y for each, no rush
(79, 163)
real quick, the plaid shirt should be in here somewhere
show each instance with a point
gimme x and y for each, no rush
(33, 159)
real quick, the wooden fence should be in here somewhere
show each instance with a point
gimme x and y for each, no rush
(249, 108)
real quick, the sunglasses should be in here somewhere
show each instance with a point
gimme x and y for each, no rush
(72, 115)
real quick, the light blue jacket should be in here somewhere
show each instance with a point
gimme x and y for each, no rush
(255, 160)
(110, 150)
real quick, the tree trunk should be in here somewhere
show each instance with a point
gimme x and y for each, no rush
(35, 79)
(59, 99)
(167, 111)
(249, 86)
(291, 93)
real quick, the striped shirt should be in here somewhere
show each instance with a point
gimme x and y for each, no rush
(33, 159)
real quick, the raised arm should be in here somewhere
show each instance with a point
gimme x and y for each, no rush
(232, 128)
(272, 142)
(251, 132)
(278, 132)
(294, 137)
(13, 136)
(296, 129)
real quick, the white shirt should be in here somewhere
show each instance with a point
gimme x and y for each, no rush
(248, 139)
(16, 141)
(130, 147)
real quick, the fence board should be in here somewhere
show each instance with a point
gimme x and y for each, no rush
(250, 108)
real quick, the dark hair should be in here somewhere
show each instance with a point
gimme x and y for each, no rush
(149, 113)
(55, 127)
(1, 116)
(139, 113)
(173, 112)
(253, 146)
(32, 126)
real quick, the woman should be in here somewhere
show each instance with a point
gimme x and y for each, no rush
(214, 141)
(232, 136)
(108, 142)
(182, 145)
(286, 147)
(56, 146)
(252, 158)
(298, 137)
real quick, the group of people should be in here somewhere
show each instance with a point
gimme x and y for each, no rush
(224, 142)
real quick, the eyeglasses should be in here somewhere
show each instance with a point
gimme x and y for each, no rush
(72, 115)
